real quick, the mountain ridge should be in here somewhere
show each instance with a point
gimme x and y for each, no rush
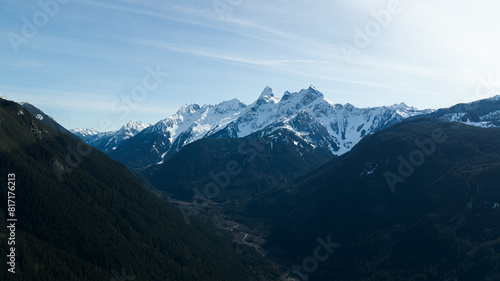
(345, 124)
(106, 141)
(84, 216)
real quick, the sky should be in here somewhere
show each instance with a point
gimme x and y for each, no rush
(99, 64)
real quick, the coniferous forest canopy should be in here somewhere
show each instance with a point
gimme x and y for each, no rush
(99, 219)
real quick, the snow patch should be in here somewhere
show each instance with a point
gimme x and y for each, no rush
(368, 169)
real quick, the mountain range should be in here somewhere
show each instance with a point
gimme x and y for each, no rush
(107, 141)
(323, 191)
(295, 134)
(313, 119)
(483, 113)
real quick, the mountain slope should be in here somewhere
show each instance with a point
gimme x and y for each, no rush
(107, 141)
(82, 216)
(434, 220)
(482, 113)
(261, 161)
(314, 119)
(40, 115)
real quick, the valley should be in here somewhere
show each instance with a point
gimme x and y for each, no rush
(415, 183)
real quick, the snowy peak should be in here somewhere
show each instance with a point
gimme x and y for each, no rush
(129, 130)
(267, 96)
(85, 133)
(403, 106)
(106, 141)
(286, 96)
(267, 92)
(311, 93)
(134, 126)
(188, 109)
(228, 106)
(303, 97)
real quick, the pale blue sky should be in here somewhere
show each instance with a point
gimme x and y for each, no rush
(85, 59)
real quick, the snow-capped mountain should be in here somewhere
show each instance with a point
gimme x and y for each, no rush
(192, 122)
(85, 133)
(483, 113)
(307, 113)
(127, 131)
(106, 141)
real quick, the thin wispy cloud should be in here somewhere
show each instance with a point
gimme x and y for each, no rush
(429, 55)
(28, 64)
(162, 15)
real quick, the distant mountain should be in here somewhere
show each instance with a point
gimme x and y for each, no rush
(82, 216)
(107, 141)
(307, 114)
(168, 136)
(482, 113)
(416, 201)
(87, 134)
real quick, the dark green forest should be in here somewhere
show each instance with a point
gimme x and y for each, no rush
(83, 216)
(440, 223)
